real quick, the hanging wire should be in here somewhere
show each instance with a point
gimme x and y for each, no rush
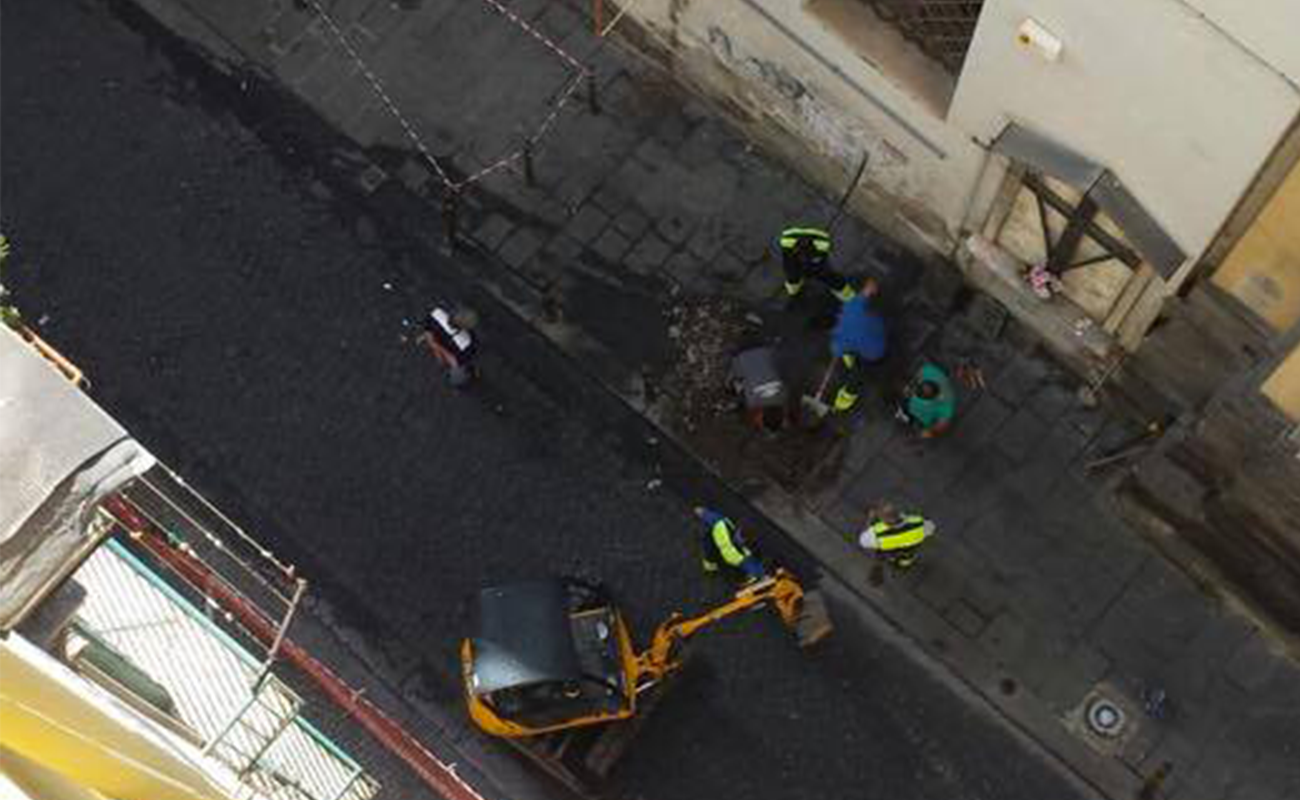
(208, 535)
(286, 569)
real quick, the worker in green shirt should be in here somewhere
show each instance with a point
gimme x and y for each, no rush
(929, 401)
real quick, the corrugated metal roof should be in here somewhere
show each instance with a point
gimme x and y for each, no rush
(247, 719)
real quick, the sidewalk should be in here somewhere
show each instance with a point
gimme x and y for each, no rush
(1035, 595)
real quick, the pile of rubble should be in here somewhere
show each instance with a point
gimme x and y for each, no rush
(705, 333)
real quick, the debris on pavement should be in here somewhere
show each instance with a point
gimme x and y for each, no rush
(709, 330)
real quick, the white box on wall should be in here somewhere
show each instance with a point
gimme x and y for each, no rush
(1035, 37)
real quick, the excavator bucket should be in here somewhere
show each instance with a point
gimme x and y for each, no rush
(814, 621)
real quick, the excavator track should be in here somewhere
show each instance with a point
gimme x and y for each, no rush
(583, 758)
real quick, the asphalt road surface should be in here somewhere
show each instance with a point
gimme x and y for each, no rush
(249, 329)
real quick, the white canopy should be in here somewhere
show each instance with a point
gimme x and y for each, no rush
(60, 454)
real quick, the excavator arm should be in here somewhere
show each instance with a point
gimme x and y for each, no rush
(780, 589)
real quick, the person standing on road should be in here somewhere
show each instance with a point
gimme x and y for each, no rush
(858, 337)
(894, 535)
(805, 253)
(449, 336)
(722, 543)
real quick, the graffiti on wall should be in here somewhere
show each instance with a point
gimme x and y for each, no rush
(836, 134)
(768, 72)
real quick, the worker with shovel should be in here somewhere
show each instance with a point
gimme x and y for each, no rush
(756, 380)
(858, 339)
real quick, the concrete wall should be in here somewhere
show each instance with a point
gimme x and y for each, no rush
(1182, 112)
(1183, 99)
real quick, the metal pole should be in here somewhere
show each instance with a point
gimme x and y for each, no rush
(284, 627)
(212, 743)
(449, 213)
(347, 787)
(530, 177)
(593, 102)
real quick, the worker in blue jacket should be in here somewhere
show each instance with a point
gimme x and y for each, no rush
(722, 544)
(859, 336)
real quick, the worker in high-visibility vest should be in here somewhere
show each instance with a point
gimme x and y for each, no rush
(895, 535)
(722, 544)
(805, 253)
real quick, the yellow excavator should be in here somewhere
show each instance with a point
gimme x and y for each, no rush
(553, 663)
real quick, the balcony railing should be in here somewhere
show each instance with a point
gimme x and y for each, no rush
(138, 635)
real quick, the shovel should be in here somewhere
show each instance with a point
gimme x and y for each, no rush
(814, 402)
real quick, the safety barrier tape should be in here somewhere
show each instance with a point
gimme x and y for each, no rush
(536, 34)
(409, 129)
(543, 127)
(378, 87)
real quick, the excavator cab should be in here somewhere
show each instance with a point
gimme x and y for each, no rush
(547, 655)
(552, 660)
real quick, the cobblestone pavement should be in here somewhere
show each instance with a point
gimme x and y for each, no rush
(246, 323)
(1035, 594)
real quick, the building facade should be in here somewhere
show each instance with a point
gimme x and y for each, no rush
(1139, 160)
(119, 679)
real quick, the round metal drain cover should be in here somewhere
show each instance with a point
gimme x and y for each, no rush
(1105, 718)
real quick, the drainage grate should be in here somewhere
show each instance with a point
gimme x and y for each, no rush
(1105, 719)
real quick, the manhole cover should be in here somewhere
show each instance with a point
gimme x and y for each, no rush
(1104, 718)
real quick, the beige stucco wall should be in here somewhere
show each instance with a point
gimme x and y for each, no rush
(769, 58)
(1175, 106)
(1263, 269)
(1266, 27)
(1183, 99)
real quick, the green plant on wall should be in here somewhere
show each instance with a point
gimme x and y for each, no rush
(9, 313)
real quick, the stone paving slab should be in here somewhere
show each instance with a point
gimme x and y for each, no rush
(1033, 594)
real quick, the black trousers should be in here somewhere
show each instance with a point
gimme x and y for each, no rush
(797, 268)
(853, 376)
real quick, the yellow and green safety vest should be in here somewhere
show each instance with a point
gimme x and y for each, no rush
(732, 553)
(903, 535)
(821, 240)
